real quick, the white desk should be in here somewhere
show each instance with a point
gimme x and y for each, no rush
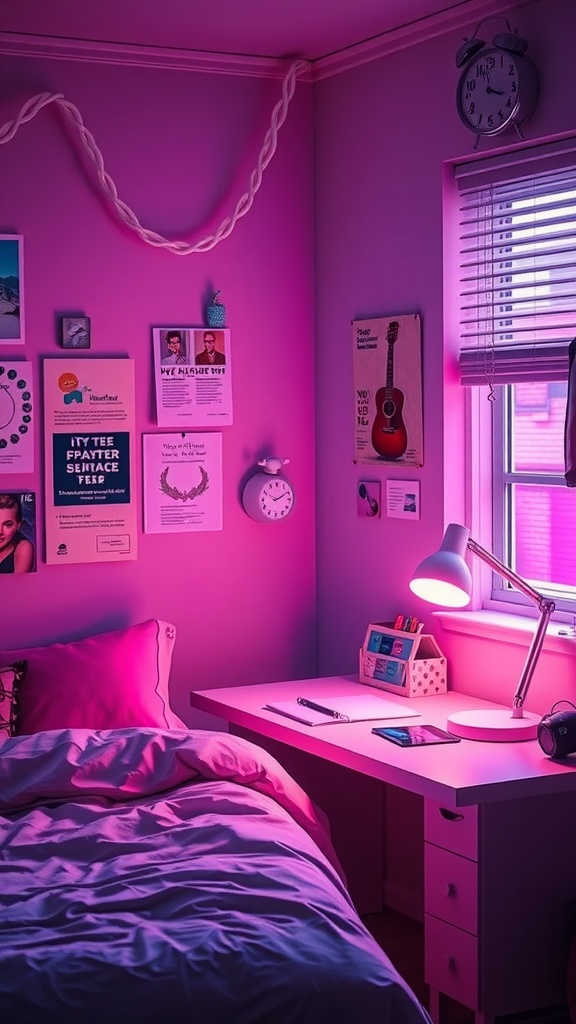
(500, 840)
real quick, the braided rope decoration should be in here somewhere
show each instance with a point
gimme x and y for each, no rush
(37, 103)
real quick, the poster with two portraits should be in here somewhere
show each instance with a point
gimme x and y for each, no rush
(192, 367)
(183, 472)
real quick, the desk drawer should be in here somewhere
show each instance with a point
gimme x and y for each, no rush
(451, 888)
(453, 830)
(451, 963)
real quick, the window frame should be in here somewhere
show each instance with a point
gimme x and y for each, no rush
(504, 476)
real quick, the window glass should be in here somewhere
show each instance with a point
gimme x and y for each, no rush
(538, 413)
(535, 518)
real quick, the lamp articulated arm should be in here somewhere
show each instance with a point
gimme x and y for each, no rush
(546, 608)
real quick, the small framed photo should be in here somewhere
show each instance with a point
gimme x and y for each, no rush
(11, 291)
(75, 332)
(368, 501)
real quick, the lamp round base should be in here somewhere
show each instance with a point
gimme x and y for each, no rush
(493, 726)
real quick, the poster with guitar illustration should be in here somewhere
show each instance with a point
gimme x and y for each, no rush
(388, 390)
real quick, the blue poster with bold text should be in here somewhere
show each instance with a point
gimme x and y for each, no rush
(91, 469)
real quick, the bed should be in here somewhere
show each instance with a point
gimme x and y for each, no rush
(154, 873)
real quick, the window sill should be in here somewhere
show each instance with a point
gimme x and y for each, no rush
(514, 629)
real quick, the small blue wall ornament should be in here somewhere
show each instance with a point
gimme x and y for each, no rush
(216, 312)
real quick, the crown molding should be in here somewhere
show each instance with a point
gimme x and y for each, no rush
(465, 15)
(132, 55)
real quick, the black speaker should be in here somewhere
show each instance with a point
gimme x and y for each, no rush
(557, 733)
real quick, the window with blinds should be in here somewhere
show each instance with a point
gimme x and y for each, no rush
(517, 272)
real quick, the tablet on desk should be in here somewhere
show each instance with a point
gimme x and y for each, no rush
(415, 735)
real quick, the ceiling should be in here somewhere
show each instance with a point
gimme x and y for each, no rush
(309, 29)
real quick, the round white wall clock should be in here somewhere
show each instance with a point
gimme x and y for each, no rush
(268, 497)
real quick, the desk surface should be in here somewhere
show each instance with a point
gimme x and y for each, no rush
(455, 774)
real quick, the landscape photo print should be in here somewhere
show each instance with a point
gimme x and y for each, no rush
(11, 299)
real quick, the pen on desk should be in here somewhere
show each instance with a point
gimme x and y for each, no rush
(318, 707)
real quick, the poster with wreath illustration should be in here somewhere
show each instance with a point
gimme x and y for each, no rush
(182, 482)
(388, 390)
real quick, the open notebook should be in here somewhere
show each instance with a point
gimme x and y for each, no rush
(363, 707)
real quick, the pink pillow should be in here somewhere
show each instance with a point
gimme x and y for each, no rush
(111, 681)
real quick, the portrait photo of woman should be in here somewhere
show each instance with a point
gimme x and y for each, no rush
(17, 553)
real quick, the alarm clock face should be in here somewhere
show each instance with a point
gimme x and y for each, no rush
(268, 498)
(489, 91)
(276, 498)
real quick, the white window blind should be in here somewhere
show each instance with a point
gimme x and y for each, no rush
(517, 266)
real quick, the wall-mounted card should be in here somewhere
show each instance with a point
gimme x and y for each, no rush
(403, 499)
(368, 502)
(75, 332)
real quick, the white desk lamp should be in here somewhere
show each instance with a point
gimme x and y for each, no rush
(444, 578)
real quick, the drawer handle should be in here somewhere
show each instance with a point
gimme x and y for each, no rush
(451, 815)
(450, 889)
(449, 962)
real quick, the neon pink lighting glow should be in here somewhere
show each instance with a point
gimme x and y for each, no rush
(439, 592)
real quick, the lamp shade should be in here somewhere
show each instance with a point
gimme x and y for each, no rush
(444, 578)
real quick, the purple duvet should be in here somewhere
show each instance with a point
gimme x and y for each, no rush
(175, 877)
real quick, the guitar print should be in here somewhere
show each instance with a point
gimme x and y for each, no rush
(389, 438)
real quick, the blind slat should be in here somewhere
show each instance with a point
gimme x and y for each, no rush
(540, 264)
(547, 156)
(519, 308)
(507, 240)
(514, 365)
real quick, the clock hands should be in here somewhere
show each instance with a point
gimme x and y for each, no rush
(490, 90)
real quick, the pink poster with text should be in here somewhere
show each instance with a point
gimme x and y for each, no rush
(89, 454)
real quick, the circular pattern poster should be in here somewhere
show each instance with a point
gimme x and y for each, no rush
(16, 417)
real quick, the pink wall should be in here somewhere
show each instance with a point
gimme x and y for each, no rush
(384, 132)
(180, 146)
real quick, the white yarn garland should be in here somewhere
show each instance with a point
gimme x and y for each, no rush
(37, 103)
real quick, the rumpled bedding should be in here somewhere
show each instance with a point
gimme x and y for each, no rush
(177, 877)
